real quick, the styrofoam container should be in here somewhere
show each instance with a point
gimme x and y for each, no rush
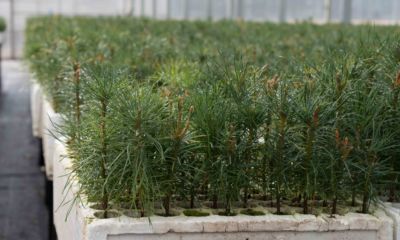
(393, 211)
(50, 122)
(36, 109)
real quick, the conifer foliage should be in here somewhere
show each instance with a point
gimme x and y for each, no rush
(161, 115)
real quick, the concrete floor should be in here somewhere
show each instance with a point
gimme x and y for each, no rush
(23, 212)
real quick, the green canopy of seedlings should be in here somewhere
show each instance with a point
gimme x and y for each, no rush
(2, 24)
(236, 117)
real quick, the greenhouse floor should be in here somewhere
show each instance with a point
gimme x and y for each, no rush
(23, 214)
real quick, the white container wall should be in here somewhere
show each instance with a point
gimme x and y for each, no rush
(51, 121)
(36, 110)
(393, 211)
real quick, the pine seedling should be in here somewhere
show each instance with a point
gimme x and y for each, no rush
(243, 85)
(279, 140)
(178, 145)
(394, 115)
(230, 169)
(342, 146)
(313, 116)
(97, 147)
(193, 174)
(370, 140)
(139, 119)
(73, 112)
(265, 173)
(212, 113)
(335, 81)
(387, 74)
(77, 84)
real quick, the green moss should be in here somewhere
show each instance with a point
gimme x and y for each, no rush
(252, 212)
(195, 213)
(107, 214)
(231, 214)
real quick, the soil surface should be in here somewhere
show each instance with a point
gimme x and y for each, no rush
(23, 214)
